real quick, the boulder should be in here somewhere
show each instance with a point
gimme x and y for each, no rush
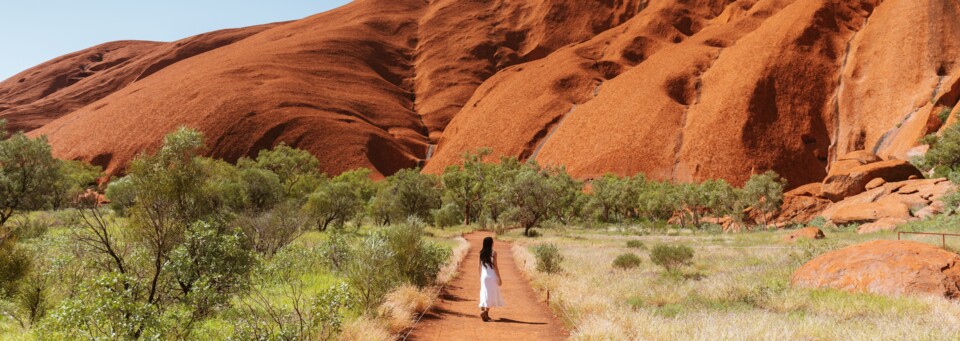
(885, 267)
(800, 209)
(811, 232)
(861, 156)
(885, 224)
(853, 181)
(875, 183)
(808, 190)
(870, 212)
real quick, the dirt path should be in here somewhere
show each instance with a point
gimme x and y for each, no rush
(455, 315)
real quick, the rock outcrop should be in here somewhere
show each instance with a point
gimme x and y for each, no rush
(885, 267)
(679, 90)
(810, 232)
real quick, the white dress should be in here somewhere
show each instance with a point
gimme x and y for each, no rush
(489, 288)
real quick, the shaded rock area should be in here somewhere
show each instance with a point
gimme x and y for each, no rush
(885, 267)
(862, 188)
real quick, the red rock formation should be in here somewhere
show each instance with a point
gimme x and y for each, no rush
(885, 267)
(810, 232)
(681, 90)
(51, 90)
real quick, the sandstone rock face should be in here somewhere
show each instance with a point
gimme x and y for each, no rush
(679, 90)
(890, 204)
(854, 180)
(810, 232)
(883, 224)
(885, 267)
(51, 90)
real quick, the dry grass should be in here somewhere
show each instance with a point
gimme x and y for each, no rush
(402, 306)
(737, 289)
(365, 329)
(449, 271)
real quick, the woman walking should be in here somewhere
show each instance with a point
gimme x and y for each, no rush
(490, 281)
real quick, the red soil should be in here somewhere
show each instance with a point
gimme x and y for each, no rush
(682, 90)
(456, 315)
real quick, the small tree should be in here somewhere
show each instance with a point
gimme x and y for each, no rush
(944, 154)
(671, 257)
(627, 261)
(28, 175)
(548, 258)
(335, 202)
(411, 194)
(465, 186)
(765, 192)
(297, 170)
(531, 198)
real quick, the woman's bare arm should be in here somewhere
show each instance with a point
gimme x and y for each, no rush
(496, 269)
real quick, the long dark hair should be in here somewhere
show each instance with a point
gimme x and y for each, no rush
(486, 253)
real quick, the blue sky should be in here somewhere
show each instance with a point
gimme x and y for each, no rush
(34, 31)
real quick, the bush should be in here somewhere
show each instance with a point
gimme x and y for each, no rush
(372, 270)
(446, 216)
(636, 244)
(417, 259)
(626, 261)
(671, 257)
(548, 258)
(32, 226)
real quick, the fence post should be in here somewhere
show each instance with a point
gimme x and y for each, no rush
(943, 238)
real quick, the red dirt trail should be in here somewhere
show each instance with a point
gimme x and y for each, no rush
(455, 315)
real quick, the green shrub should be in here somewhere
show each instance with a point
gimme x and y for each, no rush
(626, 261)
(446, 216)
(32, 226)
(417, 259)
(372, 270)
(671, 257)
(944, 114)
(636, 244)
(548, 258)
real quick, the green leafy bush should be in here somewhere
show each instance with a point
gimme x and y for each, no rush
(636, 244)
(627, 261)
(548, 258)
(671, 257)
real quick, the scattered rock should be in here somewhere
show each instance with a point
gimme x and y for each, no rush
(808, 190)
(870, 212)
(853, 181)
(801, 209)
(885, 267)
(885, 224)
(811, 232)
(875, 183)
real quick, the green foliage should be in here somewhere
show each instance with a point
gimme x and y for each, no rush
(334, 203)
(446, 216)
(268, 232)
(371, 271)
(944, 114)
(28, 175)
(636, 244)
(262, 188)
(104, 307)
(943, 157)
(818, 221)
(627, 261)
(317, 318)
(209, 266)
(297, 170)
(335, 251)
(535, 195)
(14, 266)
(76, 177)
(671, 257)
(464, 186)
(765, 191)
(548, 258)
(408, 193)
(417, 260)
